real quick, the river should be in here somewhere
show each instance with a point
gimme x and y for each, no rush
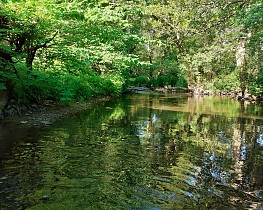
(140, 151)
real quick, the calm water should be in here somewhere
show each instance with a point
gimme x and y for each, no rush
(149, 152)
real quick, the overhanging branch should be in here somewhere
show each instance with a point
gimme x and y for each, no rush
(46, 42)
(216, 24)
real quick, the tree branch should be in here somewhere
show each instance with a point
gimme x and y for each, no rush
(164, 20)
(46, 42)
(235, 2)
(218, 23)
(31, 52)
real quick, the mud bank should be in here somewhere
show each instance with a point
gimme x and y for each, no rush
(48, 114)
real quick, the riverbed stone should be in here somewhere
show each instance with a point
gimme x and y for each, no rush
(45, 122)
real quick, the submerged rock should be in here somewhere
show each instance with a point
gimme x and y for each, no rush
(45, 122)
(138, 89)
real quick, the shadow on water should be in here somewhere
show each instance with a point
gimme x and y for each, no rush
(139, 152)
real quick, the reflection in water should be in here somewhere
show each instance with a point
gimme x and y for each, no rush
(140, 152)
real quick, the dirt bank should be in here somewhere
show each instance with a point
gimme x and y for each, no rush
(49, 113)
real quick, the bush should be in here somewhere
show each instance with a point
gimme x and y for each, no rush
(60, 87)
(256, 84)
(33, 87)
(224, 83)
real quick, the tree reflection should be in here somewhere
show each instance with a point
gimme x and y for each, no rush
(148, 152)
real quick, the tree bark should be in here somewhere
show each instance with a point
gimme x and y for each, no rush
(241, 65)
(30, 57)
(31, 51)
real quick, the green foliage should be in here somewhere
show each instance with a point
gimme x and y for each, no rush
(70, 50)
(2, 86)
(253, 21)
(256, 83)
(206, 37)
(167, 72)
(139, 81)
(85, 58)
(64, 89)
(224, 83)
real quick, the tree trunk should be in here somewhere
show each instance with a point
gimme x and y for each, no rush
(150, 56)
(30, 58)
(241, 65)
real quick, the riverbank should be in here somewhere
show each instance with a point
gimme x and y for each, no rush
(48, 113)
(198, 91)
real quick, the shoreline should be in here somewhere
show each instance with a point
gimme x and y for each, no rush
(200, 92)
(48, 114)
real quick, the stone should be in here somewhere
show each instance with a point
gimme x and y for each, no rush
(45, 122)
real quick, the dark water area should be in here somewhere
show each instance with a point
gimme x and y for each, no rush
(144, 151)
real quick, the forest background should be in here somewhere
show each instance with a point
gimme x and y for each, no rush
(70, 50)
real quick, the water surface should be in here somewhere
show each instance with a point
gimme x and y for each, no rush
(144, 151)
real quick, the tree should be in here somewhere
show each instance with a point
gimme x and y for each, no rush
(86, 48)
(203, 33)
(90, 42)
(252, 26)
